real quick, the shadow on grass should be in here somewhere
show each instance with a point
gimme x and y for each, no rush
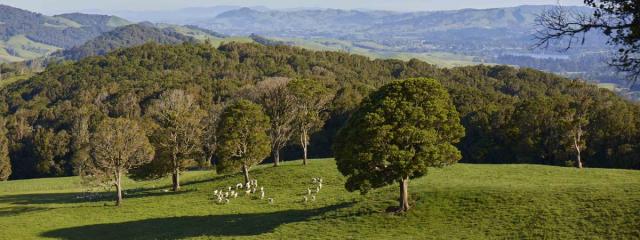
(64, 198)
(13, 211)
(192, 226)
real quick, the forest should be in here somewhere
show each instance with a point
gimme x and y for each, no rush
(509, 115)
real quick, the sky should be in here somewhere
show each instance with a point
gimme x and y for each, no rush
(65, 6)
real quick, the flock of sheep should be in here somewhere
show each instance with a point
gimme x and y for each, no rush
(224, 196)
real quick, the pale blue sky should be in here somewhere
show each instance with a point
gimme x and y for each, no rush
(60, 6)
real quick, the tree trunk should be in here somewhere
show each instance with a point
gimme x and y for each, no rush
(176, 180)
(576, 142)
(118, 189)
(305, 145)
(276, 157)
(245, 171)
(404, 195)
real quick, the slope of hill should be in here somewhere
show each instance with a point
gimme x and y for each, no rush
(26, 35)
(499, 106)
(123, 37)
(459, 202)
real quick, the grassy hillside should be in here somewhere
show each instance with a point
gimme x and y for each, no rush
(463, 201)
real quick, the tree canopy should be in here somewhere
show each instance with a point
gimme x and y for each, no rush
(396, 134)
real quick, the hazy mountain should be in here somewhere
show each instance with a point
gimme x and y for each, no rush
(27, 35)
(181, 16)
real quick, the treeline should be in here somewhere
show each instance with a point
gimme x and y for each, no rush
(510, 115)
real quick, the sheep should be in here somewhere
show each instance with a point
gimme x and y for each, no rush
(308, 191)
(226, 195)
(320, 185)
(317, 189)
(166, 190)
(247, 192)
(314, 180)
(229, 189)
(226, 201)
(271, 200)
(261, 189)
(313, 198)
(253, 190)
(239, 185)
(248, 185)
(235, 195)
(262, 195)
(215, 192)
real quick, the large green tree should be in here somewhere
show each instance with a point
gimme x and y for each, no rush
(117, 146)
(311, 99)
(396, 134)
(242, 137)
(178, 135)
(5, 162)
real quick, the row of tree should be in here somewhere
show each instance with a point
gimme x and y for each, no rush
(510, 115)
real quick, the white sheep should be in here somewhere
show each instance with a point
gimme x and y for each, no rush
(239, 185)
(261, 189)
(261, 195)
(320, 185)
(271, 200)
(308, 191)
(305, 199)
(235, 195)
(215, 192)
(248, 185)
(313, 198)
(226, 201)
(314, 180)
(247, 192)
(253, 190)
(229, 189)
(317, 189)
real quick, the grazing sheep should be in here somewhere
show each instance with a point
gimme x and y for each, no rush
(308, 191)
(253, 190)
(229, 189)
(247, 192)
(215, 192)
(248, 185)
(261, 189)
(320, 185)
(305, 199)
(317, 189)
(261, 195)
(271, 200)
(166, 190)
(235, 195)
(314, 180)
(239, 185)
(226, 201)
(226, 195)
(313, 198)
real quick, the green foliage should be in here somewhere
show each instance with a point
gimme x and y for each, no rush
(125, 82)
(5, 162)
(117, 145)
(397, 133)
(51, 149)
(242, 136)
(177, 138)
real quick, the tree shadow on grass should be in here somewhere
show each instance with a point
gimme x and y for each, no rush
(192, 226)
(66, 198)
(14, 211)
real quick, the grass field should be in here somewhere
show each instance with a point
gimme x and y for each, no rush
(459, 202)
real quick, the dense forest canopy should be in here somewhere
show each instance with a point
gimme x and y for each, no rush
(510, 115)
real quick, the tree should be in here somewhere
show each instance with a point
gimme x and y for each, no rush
(117, 145)
(51, 148)
(396, 134)
(242, 137)
(5, 162)
(619, 20)
(210, 136)
(578, 119)
(178, 137)
(278, 103)
(311, 99)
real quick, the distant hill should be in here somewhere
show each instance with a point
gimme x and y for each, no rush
(27, 35)
(183, 16)
(127, 36)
